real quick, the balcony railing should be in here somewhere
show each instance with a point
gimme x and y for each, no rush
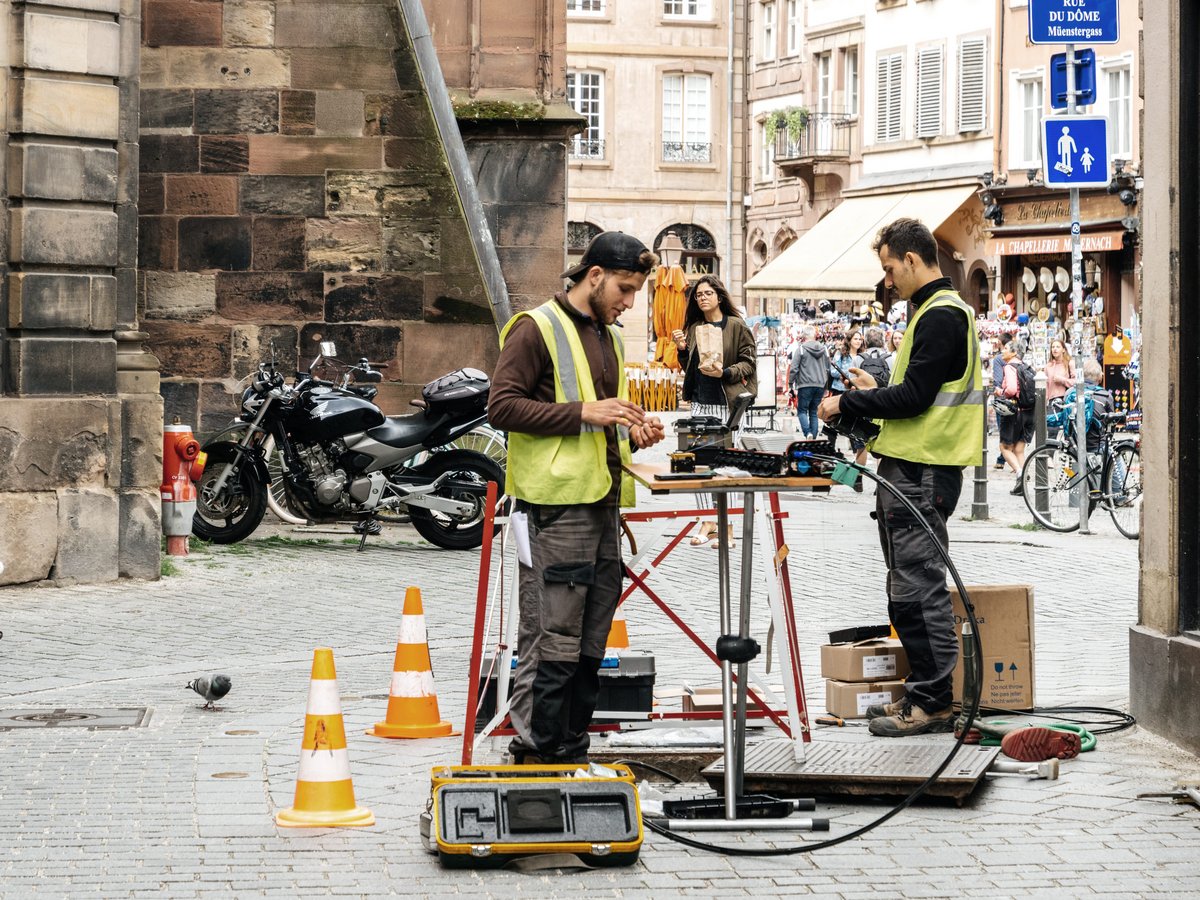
(686, 151)
(582, 148)
(826, 136)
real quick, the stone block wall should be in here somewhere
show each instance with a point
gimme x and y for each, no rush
(293, 185)
(80, 414)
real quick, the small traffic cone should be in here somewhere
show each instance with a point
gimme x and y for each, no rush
(618, 634)
(412, 710)
(324, 791)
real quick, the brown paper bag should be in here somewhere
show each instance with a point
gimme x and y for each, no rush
(709, 344)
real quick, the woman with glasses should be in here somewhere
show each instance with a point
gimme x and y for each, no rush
(711, 386)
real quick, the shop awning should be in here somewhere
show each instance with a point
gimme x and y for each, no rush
(833, 260)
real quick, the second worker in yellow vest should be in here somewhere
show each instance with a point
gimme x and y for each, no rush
(559, 391)
(931, 425)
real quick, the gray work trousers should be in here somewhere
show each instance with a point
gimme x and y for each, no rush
(918, 599)
(568, 597)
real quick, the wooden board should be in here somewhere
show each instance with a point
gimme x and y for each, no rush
(645, 472)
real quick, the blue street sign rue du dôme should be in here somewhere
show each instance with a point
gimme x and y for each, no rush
(1073, 22)
(1075, 151)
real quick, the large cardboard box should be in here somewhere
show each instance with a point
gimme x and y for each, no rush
(851, 699)
(1005, 614)
(864, 661)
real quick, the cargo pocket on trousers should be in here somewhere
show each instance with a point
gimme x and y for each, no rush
(565, 594)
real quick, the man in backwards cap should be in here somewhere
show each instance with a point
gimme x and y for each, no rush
(559, 391)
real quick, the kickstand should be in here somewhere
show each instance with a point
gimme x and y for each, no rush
(366, 526)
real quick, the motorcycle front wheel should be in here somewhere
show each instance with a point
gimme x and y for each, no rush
(236, 511)
(469, 472)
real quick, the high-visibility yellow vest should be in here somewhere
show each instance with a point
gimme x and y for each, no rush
(555, 469)
(950, 432)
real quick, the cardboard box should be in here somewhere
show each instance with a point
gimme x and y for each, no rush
(876, 660)
(851, 699)
(1005, 614)
(703, 700)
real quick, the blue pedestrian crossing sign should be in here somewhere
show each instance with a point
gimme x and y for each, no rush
(1075, 151)
(1074, 22)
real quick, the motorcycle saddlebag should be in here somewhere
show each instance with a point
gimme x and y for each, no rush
(464, 392)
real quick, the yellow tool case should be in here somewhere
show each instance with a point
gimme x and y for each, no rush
(487, 816)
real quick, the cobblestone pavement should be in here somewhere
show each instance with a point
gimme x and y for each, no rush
(184, 805)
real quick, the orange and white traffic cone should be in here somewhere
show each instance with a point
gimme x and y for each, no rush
(412, 710)
(618, 633)
(324, 791)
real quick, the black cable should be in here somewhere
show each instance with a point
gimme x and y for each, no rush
(923, 786)
(1117, 719)
(674, 779)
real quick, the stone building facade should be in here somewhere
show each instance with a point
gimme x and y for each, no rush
(80, 415)
(293, 186)
(292, 183)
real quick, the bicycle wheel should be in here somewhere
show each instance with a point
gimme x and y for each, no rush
(1052, 486)
(1123, 489)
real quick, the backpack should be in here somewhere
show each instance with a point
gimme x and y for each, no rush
(1026, 397)
(874, 363)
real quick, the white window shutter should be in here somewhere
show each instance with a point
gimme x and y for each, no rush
(972, 85)
(929, 92)
(887, 98)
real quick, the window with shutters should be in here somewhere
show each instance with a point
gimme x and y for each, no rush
(766, 46)
(1120, 108)
(851, 101)
(792, 8)
(888, 96)
(686, 118)
(585, 93)
(1029, 134)
(929, 92)
(585, 7)
(972, 85)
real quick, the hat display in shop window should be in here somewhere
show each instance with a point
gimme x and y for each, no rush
(1043, 314)
(1046, 277)
(1029, 279)
(1062, 278)
(1034, 304)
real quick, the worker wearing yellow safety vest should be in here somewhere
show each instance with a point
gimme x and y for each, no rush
(559, 391)
(931, 425)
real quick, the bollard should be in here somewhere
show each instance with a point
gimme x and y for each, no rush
(979, 503)
(181, 454)
(1041, 494)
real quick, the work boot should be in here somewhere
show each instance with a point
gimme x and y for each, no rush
(911, 719)
(879, 710)
(1036, 744)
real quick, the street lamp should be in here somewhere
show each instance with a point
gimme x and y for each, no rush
(671, 249)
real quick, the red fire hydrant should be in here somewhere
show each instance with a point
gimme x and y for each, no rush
(181, 454)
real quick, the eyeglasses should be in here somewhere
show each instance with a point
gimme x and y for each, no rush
(706, 293)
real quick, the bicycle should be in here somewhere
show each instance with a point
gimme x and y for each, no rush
(1052, 485)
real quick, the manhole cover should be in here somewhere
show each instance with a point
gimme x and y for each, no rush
(92, 719)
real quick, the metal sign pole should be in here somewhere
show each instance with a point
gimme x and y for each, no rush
(1077, 306)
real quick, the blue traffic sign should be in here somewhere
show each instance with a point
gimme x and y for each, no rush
(1073, 22)
(1075, 151)
(1085, 79)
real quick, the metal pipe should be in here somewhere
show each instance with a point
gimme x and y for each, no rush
(722, 504)
(1084, 483)
(748, 824)
(979, 502)
(1041, 496)
(429, 70)
(747, 580)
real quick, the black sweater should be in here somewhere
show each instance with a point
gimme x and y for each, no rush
(938, 355)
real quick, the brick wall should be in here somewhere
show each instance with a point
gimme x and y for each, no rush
(293, 185)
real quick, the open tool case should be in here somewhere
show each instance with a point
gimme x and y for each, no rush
(487, 816)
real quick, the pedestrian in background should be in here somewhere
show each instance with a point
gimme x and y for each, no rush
(1016, 386)
(997, 381)
(847, 356)
(808, 375)
(1060, 371)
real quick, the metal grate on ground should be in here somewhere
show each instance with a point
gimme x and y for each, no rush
(91, 719)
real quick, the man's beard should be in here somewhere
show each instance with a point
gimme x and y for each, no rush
(595, 296)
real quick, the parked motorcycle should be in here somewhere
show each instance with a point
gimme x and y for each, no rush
(337, 457)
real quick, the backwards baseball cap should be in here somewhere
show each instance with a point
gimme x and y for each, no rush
(610, 250)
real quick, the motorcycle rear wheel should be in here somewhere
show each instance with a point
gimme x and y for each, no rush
(457, 532)
(238, 510)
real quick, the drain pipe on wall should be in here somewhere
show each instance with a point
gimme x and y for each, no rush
(429, 70)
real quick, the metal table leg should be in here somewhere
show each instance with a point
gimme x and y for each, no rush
(722, 504)
(739, 738)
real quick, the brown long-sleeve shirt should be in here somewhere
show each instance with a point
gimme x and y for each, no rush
(522, 395)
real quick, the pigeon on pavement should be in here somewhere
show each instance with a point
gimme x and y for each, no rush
(211, 688)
